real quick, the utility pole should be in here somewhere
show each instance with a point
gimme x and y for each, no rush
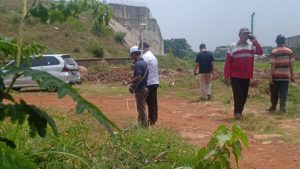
(252, 22)
(142, 28)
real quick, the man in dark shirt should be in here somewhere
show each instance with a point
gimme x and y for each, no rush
(204, 62)
(139, 81)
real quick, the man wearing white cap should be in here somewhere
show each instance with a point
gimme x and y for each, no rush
(139, 81)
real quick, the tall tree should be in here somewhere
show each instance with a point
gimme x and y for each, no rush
(179, 48)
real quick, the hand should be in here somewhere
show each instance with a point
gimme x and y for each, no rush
(195, 72)
(227, 81)
(252, 38)
(125, 82)
(270, 80)
(293, 79)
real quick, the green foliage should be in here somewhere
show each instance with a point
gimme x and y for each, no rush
(179, 48)
(10, 159)
(82, 146)
(101, 30)
(119, 37)
(18, 111)
(60, 11)
(220, 54)
(147, 149)
(170, 62)
(8, 49)
(96, 49)
(225, 141)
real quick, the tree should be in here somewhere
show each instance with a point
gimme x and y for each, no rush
(19, 111)
(220, 53)
(179, 48)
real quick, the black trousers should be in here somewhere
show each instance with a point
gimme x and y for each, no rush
(240, 89)
(152, 103)
(279, 89)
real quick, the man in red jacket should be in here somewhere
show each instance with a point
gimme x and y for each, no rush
(239, 67)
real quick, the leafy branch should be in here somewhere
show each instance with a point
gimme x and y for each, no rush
(44, 78)
(217, 153)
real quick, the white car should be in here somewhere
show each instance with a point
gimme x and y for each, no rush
(62, 66)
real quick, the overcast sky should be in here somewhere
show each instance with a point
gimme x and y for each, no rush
(217, 22)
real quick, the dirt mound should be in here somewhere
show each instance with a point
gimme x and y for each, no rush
(113, 75)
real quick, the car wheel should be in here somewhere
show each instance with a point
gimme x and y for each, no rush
(52, 87)
(16, 88)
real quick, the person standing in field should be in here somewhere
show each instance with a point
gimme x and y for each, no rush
(239, 67)
(205, 64)
(139, 84)
(281, 74)
(152, 83)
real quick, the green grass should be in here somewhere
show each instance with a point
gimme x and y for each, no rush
(259, 65)
(171, 62)
(100, 89)
(82, 143)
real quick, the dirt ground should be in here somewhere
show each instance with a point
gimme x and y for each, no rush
(195, 121)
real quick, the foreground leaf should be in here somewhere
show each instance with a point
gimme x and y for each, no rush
(10, 159)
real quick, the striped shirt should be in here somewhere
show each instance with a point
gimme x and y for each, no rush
(240, 59)
(282, 58)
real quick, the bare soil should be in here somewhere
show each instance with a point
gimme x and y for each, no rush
(195, 121)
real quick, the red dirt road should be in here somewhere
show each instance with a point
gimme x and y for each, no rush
(196, 121)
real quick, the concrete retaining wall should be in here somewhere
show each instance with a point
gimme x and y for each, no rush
(130, 17)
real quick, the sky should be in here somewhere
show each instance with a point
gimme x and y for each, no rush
(217, 22)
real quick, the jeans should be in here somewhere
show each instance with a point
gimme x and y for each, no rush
(152, 103)
(279, 89)
(240, 89)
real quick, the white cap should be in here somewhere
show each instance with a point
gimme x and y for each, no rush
(134, 49)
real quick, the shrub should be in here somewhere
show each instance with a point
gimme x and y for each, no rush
(96, 49)
(101, 30)
(119, 36)
(98, 68)
(224, 142)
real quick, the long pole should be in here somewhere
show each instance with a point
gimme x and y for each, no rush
(252, 22)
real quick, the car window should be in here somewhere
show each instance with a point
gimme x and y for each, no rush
(50, 60)
(68, 60)
(37, 62)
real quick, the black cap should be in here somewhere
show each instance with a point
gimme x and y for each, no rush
(202, 46)
(280, 39)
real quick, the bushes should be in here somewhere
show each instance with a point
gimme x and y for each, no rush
(119, 36)
(171, 62)
(101, 30)
(96, 49)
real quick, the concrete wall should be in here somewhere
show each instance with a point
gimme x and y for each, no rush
(131, 17)
(293, 42)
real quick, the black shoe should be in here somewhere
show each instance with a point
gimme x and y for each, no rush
(271, 109)
(238, 116)
(282, 110)
(201, 99)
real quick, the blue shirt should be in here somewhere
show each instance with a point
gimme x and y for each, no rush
(140, 68)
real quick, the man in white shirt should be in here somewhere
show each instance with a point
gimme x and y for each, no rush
(152, 83)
